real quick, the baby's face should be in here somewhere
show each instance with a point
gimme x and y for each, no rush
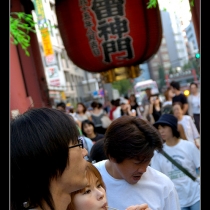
(93, 197)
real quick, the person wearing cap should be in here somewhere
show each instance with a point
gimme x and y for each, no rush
(124, 108)
(185, 153)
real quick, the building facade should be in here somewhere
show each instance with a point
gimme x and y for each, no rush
(174, 53)
(191, 37)
(66, 81)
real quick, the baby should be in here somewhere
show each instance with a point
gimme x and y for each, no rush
(93, 196)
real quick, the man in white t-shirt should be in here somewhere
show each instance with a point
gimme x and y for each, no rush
(129, 144)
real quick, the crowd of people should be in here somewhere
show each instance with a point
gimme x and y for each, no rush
(66, 159)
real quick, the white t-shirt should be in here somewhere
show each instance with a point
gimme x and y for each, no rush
(117, 113)
(165, 103)
(154, 188)
(83, 117)
(190, 129)
(194, 104)
(188, 155)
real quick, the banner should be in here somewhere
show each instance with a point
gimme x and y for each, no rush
(43, 27)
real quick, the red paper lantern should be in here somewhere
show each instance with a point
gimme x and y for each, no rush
(100, 35)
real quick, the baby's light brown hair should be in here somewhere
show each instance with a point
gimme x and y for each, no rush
(92, 173)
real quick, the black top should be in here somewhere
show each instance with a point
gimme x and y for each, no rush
(98, 136)
(180, 98)
(135, 106)
(156, 114)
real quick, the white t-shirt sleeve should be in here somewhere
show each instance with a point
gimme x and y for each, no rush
(172, 201)
(196, 156)
(155, 163)
(194, 129)
(88, 114)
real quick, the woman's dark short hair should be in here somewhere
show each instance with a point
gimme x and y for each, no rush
(84, 122)
(94, 104)
(112, 102)
(175, 85)
(84, 107)
(40, 138)
(61, 104)
(100, 105)
(131, 137)
(117, 102)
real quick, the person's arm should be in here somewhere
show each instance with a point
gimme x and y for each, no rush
(181, 132)
(146, 111)
(194, 129)
(185, 108)
(151, 105)
(138, 111)
(196, 135)
(190, 106)
(89, 116)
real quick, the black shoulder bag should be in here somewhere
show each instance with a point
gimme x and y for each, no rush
(179, 166)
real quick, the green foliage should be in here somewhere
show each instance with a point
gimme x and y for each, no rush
(123, 86)
(186, 66)
(153, 3)
(20, 26)
(171, 70)
(194, 63)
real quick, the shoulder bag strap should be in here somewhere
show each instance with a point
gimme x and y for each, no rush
(178, 165)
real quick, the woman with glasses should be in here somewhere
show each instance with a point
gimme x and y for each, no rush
(47, 160)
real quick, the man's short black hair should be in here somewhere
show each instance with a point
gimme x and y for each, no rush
(61, 104)
(175, 85)
(131, 137)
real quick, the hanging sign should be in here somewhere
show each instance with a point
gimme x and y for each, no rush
(100, 35)
(43, 27)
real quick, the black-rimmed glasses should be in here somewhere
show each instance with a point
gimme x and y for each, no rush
(80, 143)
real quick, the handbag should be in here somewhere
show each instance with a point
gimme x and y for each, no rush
(105, 120)
(179, 166)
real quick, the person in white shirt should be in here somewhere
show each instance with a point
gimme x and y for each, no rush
(129, 144)
(194, 104)
(187, 123)
(93, 196)
(186, 154)
(124, 108)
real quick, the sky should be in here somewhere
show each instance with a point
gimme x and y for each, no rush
(180, 7)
